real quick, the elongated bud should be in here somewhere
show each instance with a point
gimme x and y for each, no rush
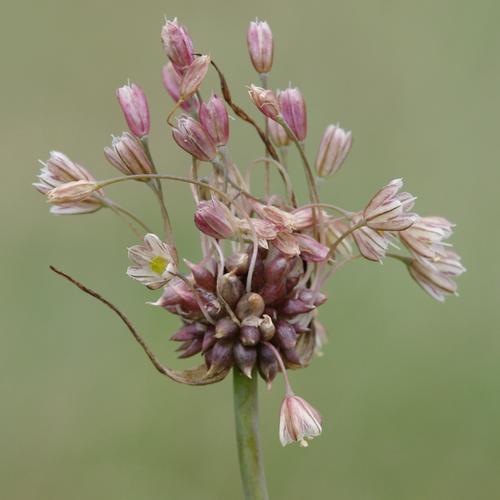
(208, 340)
(226, 329)
(238, 263)
(172, 83)
(71, 192)
(202, 276)
(260, 46)
(271, 292)
(177, 44)
(189, 332)
(192, 137)
(293, 110)
(231, 288)
(265, 100)
(193, 77)
(245, 358)
(333, 149)
(311, 297)
(268, 366)
(249, 335)
(267, 328)
(193, 348)
(251, 304)
(214, 219)
(221, 357)
(292, 307)
(135, 108)
(215, 120)
(127, 155)
(276, 269)
(286, 335)
(298, 421)
(277, 134)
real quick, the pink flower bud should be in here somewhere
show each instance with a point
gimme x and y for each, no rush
(260, 46)
(333, 149)
(265, 100)
(192, 137)
(214, 219)
(372, 245)
(71, 192)
(310, 249)
(293, 109)
(127, 155)
(215, 120)
(298, 421)
(177, 44)
(193, 77)
(172, 82)
(135, 108)
(277, 134)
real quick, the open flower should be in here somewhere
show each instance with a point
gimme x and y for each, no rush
(153, 262)
(298, 421)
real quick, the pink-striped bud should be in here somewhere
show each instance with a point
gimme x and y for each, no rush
(127, 155)
(215, 120)
(192, 137)
(71, 192)
(265, 100)
(172, 82)
(277, 134)
(298, 421)
(135, 108)
(260, 46)
(372, 245)
(333, 149)
(193, 77)
(293, 110)
(214, 219)
(177, 44)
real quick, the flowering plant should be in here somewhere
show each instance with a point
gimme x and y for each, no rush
(251, 303)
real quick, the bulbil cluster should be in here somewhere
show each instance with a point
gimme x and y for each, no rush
(251, 302)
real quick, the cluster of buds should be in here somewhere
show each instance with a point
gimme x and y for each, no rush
(251, 303)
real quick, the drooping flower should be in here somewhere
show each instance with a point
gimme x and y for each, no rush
(333, 150)
(265, 100)
(153, 264)
(127, 154)
(299, 421)
(193, 138)
(172, 83)
(71, 192)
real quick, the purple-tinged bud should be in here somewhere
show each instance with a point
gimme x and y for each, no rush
(271, 292)
(192, 137)
(135, 108)
(215, 120)
(251, 304)
(189, 332)
(267, 328)
(214, 219)
(276, 269)
(298, 421)
(311, 297)
(293, 110)
(249, 335)
(286, 336)
(277, 134)
(237, 263)
(221, 356)
(71, 192)
(268, 366)
(193, 77)
(245, 358)
(177, 44)
(311, 249)
(202, 276)
(291, 358)
(333, 149)
(193, 348)
(260, 46)
(230, 288)
(127, 155)
(172, 82)
(292, 307)
(265, 100)
(208, 340)
(226, 329)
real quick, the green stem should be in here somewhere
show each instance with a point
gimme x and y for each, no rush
(246, 411)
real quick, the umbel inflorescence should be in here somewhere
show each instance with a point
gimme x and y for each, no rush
(252, 302)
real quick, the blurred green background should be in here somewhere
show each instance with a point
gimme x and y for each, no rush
(409, 388)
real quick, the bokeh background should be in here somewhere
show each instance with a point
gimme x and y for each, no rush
(409, 388)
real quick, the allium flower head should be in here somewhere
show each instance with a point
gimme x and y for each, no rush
(153, 263)
(135, 108)
(299, 421)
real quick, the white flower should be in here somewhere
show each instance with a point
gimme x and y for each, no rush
(153, 262)
(298, 421)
